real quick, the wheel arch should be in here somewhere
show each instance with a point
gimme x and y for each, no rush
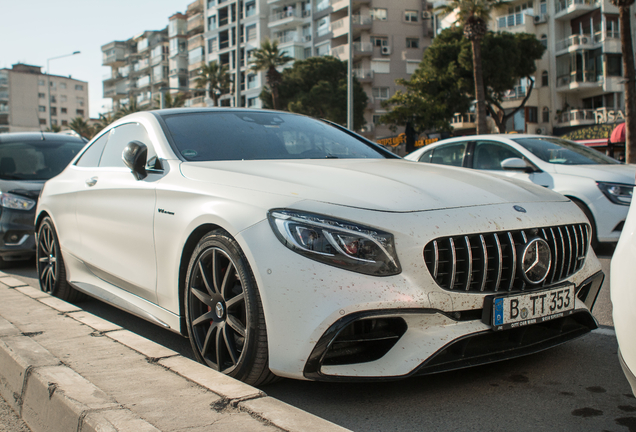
(588, 213)
(43, 214)
(186, 253)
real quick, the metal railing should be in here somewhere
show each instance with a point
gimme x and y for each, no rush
(577, 115)
(574, 40)
(579, 77)
(562, 5)
(362, 74)
(464, 118)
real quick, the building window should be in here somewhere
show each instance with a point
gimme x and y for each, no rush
(212, 45)
(63, 110)
(211, 3)
(380, 41)
(614, 65)
(53, 111)
(250, 32)
(42, 108)
(63, 86)
(323, 50)
(41, 95)
(379, 14)
(42, 121)
(80, 101)
(79, 87)
(544, 79)
(307, 53)
(251, 102)
(376, 118)
(532, 115)
(380, 93)
(546, 115)
(64, 122)
(412, 43)
(41, 82)
(410, 16)
(250, 8)
(53, 99)
(252, 81)
(411, 66)
(381, 67)
(212, 22)
(544, 40)
(543, 7)
(79, 112)
(53, 85)
(63, 98)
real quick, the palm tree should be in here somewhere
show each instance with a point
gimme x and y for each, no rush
(81, 126)
(129, 108)
(171, 102)
(215, 79)
(267, 58)
(103, 121)
(54, 129)
(630, 77)
(474, 16)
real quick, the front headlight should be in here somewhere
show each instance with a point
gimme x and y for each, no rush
(336, 242)
(16, 202)
(618, 193)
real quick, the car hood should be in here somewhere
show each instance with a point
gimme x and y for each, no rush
(617, 173)
(374, 184)
(29, 189)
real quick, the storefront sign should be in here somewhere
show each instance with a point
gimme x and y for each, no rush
(603, 115)
(401, 139)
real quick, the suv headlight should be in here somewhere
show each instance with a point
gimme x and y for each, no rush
(618, 193)
(339, 243)
(16, 202)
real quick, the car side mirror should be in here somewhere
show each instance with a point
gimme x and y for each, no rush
(516, 164)
(134, 156)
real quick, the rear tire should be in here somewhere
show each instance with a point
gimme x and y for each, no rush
(50, 265)
(224, 314)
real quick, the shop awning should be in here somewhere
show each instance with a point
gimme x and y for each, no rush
(618, 134)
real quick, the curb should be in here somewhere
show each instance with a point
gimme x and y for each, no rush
(50, 396)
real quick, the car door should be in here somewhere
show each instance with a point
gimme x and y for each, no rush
(450, 154)
(488, 155)
(115, 214)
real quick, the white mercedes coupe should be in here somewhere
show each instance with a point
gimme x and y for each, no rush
(287, 246)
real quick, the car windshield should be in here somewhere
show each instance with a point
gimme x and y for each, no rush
(563, 152)
(236, 135)
(36, 160)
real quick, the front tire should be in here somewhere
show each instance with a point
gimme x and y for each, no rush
(50, 264)
(224, 314)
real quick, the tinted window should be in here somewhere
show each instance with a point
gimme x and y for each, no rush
(489, 155)
(90, 158)
(36, 160)
(451, 154)
(426, 156)
(559, 151)
(119, 138)
(216, 136)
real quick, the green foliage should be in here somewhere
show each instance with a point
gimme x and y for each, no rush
(169, 101)
(591, 132)
(215, 78)
(443, 84)
(318, 87)
(267, 58)
(81, 126)
(468, 10)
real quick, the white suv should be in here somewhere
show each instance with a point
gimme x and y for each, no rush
(599, 185)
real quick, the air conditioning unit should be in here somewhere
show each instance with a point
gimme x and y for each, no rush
(583, 40)
(539, 131)
(386, 50)
(541, 19)
(426, 15)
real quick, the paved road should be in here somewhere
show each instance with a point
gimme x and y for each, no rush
(575, 387)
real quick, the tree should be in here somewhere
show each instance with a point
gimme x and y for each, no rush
(267, 58)
(129, 108)
(81, 126)
(473, 15)
(54, 129)
(215, 79)
(629, 73)
(103, 121)
(317, 87)
(171, 102)
(443, 84)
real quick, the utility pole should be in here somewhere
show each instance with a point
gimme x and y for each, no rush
(350, 71)
(237, 80)
(48, 82)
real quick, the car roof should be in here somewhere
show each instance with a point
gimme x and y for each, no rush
(37, 136)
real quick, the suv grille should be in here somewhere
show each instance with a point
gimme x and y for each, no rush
(489, 262)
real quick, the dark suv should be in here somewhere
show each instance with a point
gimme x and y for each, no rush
(27, 160)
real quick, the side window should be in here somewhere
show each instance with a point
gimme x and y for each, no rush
(489, 155)
(451, 154)
(119, 139)
(426, 156)
(91, 156)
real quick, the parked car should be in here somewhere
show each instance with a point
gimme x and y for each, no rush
(623, 294)
(599, 185)
(285, 246)
(27, 160)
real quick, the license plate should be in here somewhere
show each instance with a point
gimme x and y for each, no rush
(531, 308)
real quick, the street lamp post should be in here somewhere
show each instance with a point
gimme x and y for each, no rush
(350, 71)
(48, 82)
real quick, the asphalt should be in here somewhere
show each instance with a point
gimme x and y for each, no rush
(64, 369)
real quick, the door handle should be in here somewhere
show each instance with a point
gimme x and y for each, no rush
(91, 181)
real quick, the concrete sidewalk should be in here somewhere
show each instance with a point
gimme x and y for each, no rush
(63, 369)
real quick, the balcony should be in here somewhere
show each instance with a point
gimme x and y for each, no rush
(195, 24)
(464, 121)
(570, 9)
(113, 59)
(360, 22)
(577, 81)
(609, 40)
(363, 75)
(573, 43)
(158, 60)
(198, 101)
(287, 18)
(579, 117)
(195, 7)
(519, 92)
(143, 81)
(322, 5)
(196, 42)
(359, 49)
(195, 64)
(337, 5)
(4, 82)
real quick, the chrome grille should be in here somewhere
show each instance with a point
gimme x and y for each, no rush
(488, 262)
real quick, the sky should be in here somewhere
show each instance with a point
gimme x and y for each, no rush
(33, 31)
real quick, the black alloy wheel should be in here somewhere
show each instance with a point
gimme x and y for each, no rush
(50, 264)
(224, 315)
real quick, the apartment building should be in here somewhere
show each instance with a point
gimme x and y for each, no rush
(579, 79)
(24, 99)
